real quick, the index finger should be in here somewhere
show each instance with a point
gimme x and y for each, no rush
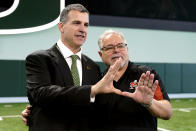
(141, 80)
(114, 68)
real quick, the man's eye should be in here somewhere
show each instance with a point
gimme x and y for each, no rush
(76, 22)
(108, 48)
(86, 25)
(120, 46)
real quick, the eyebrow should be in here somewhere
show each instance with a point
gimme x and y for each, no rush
(80, 22)
(76, 21)
(116, 44)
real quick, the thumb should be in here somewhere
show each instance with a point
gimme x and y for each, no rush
(127, 94)
(117, 91)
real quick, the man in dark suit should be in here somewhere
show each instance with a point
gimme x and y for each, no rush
(59, 102)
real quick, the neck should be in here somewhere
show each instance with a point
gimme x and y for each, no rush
(74, 49)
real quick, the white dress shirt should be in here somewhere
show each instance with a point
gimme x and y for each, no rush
(67, 53)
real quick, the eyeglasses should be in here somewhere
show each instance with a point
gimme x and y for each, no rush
(110, 48)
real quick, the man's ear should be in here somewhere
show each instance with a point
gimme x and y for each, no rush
(60, 26)
(100, 53)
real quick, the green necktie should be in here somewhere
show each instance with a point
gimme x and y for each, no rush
(74, 70)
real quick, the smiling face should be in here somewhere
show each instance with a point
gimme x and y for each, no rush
(74, 30)
(118, 50)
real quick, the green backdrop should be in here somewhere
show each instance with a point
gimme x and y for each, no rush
(178, 78)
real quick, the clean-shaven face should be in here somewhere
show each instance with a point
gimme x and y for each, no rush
(74, 30)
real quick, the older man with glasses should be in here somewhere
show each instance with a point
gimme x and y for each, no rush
(144, 98)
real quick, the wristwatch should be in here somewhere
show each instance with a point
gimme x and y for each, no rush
(147, 105)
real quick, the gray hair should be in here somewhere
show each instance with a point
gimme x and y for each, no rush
(106, 33)
(68, 8)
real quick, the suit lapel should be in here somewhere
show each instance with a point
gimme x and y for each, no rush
(86, 69)
(61, 65)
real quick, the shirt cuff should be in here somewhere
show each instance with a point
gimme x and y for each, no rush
(92, 99)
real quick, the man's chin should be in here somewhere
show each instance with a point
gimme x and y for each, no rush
(114, 60)
(79, 44)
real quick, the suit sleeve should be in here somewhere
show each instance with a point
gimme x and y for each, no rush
(43, 92)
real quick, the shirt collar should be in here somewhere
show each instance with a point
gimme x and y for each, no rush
(66, 52)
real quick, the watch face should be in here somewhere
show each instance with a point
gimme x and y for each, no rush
(148, 105)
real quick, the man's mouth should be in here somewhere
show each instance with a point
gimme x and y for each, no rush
(80, 36)
(116, 57)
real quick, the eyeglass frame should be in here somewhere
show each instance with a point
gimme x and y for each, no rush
(114, 46)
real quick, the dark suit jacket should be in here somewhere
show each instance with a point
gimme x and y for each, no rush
(56, 104)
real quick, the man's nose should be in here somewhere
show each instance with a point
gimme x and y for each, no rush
(116, 49)
(81, 31)
(83, 28)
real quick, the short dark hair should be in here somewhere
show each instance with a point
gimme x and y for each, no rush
(68, 8)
